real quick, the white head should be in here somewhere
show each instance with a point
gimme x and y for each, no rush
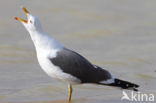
(32, 24)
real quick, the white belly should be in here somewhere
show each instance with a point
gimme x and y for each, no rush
(55, 72)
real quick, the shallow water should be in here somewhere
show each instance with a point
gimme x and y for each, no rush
(117, 35)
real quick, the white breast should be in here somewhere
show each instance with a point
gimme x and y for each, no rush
(54, 71)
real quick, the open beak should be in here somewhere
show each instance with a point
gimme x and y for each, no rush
(26, 13)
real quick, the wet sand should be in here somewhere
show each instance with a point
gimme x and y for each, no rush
(117, 35)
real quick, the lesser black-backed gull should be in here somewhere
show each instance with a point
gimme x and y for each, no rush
(66, 65)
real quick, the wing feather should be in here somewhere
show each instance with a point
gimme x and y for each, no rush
(73, 63)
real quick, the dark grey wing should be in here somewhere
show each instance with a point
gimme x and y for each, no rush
(72, 63)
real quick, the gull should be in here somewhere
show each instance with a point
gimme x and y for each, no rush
(64, 64)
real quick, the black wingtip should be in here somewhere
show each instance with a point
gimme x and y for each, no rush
(125, 85)
(135, 87)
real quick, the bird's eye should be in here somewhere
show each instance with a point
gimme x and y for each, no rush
(30, 21)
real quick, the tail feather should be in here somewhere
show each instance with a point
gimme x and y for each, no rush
(124, 84)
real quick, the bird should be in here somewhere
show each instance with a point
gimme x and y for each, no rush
(67, 65)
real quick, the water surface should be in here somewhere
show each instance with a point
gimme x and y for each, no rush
(117, 35)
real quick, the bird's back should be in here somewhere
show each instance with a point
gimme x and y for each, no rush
(73, 63)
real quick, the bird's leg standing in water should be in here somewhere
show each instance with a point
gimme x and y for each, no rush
(69, 92)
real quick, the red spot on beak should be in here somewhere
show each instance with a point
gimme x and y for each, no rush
(15, 18)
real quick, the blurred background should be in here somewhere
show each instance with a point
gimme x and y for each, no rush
(119, 35)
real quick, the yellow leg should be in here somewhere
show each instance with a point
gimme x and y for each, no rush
(69, 92)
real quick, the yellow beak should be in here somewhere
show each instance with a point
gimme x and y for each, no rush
(26, 13)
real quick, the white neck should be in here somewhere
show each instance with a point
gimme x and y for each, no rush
(43, 41)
